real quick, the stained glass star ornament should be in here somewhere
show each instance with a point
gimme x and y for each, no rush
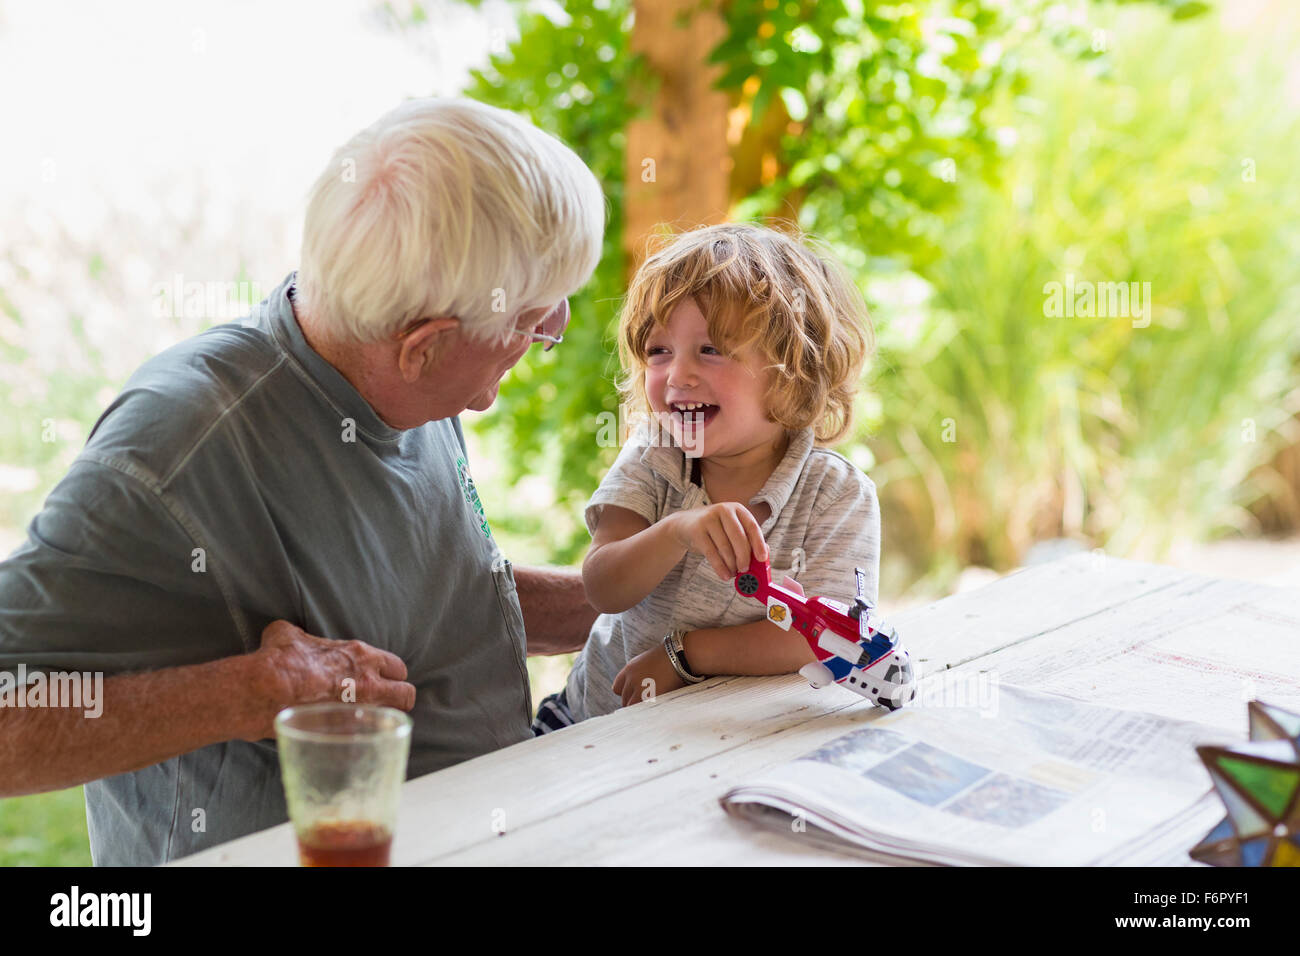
(1259, 783)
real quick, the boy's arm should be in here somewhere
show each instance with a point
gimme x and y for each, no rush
(628, 558)
(845, 535)
(755, 649)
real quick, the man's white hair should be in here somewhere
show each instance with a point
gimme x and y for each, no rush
(446, 207)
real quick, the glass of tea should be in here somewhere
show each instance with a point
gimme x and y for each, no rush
(343, 767)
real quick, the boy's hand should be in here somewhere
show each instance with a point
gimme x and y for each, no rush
(726, 534)
(652, 665)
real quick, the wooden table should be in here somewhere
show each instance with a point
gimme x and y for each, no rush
(641, 786)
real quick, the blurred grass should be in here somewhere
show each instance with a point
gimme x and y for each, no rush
(1000, 424)
(45, 829)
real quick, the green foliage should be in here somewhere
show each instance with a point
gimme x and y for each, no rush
(883, 100)
(890, 106)
(1089, 426)
(45, 829)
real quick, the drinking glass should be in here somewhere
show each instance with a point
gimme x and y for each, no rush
(343, 767)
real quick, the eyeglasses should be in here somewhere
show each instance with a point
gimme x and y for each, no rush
(552, 326)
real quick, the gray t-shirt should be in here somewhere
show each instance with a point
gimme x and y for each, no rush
(237, 479)
(824, 522)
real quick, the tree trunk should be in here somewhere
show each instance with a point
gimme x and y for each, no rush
(678, 165)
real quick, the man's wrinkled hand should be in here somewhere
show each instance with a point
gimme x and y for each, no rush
(304, 669)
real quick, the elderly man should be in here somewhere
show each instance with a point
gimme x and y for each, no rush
(280, 510)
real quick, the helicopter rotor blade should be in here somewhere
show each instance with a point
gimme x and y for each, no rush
(862, 583)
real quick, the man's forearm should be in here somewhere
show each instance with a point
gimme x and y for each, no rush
(145, 719)
(557, 617)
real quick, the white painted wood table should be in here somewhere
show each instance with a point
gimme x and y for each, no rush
(641, 786)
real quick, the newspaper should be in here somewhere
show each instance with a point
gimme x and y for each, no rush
(1041, 780)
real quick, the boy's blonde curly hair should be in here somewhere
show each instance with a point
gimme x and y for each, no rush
(762, 288)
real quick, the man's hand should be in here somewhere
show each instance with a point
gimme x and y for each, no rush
(725, 533)
(304, 669)
(653, 665)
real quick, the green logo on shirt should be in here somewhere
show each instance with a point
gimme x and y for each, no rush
(471, 495)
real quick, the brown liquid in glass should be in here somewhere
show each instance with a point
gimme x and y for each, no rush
(345, 843)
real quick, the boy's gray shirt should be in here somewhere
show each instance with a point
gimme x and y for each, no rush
(824, 522)
(239, 478)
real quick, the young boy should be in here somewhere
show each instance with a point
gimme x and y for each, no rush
(746, 347)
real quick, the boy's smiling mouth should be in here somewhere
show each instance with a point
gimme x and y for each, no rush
(692, 413)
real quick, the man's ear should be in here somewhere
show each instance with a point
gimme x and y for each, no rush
(422, 347)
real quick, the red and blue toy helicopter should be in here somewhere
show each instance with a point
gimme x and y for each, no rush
(854, 647)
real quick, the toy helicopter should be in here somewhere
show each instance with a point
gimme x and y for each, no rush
(854, 648)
